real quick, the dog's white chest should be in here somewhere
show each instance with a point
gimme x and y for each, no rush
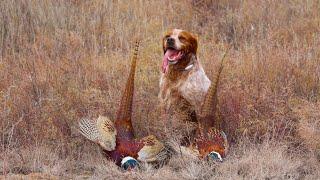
(195, 87)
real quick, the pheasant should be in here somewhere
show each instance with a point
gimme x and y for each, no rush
(210, 141)
(117, 139)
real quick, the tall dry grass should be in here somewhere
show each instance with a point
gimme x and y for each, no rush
(63, 60)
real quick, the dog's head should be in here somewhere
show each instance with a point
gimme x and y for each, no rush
(178, 44)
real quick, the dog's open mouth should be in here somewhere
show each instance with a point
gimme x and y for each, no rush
(171, 56)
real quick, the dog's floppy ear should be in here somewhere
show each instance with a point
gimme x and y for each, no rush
(194, 43)
(191, 40)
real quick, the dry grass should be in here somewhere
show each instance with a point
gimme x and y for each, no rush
(62, 60)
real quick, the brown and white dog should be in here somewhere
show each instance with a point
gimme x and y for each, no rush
(183, 82)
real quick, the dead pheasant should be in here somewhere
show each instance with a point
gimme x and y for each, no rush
(210, 142)
(117, 139)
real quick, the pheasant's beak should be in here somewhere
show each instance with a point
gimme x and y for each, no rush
(129, 163)
(215, 156)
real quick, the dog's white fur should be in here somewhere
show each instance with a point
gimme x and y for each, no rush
(175, 36)
(183, 87)
(193, 88)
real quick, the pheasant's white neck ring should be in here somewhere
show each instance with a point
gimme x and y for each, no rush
(215, 156)
(128, 163)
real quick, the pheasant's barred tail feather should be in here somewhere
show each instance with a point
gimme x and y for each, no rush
(88, 129)
(123, 121)
(101, 131)
(209, 106)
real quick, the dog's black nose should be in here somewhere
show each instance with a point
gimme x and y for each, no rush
(170, 41)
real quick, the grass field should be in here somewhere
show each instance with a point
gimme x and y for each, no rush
(61, 60)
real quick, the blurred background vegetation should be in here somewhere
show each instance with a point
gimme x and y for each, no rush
(63, 60)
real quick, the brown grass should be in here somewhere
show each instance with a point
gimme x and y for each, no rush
(63, 60)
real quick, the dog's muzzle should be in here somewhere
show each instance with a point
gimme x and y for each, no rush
(170, 43)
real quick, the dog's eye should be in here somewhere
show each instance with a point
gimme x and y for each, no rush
(181, 38)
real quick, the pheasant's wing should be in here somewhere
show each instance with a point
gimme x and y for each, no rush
(101, 131)
(107, 132)
(215, 140)
(219, 137)
(153, 150)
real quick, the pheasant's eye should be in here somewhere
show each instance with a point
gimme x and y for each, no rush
(214, 156)
(129, 163)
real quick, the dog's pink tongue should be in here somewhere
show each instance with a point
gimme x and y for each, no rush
(169, 53)
(164, 64)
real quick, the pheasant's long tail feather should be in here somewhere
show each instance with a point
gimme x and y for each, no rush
(123, 121)
(209, 107)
